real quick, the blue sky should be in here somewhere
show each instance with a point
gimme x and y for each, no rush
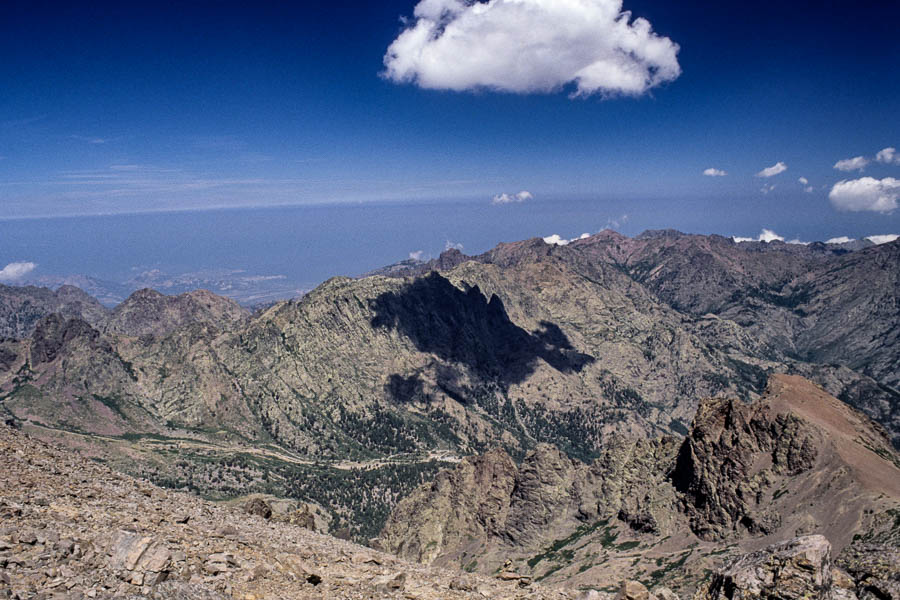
(133, 107)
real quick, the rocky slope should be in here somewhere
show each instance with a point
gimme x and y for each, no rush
(22, 307)
(663, 511)
(148, 312)
(73, 529)
(816, 303)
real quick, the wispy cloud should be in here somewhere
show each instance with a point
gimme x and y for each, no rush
(866, 194)
(616, 222)
(711, 172)
(774, 170)
(857, 163)
(512, 198)
(97, 141)
(839, 240)
(18, 123)
(17, 270)
(768, 188)
(528, 46)
(416, 255)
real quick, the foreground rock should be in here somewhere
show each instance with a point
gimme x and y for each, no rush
(803, 568)
(794, 570)
(70, 528)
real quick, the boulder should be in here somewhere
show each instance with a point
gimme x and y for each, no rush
(258, 507)
(799, 569)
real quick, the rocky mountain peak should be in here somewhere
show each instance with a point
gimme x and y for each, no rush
(148, 312)
(56, 334)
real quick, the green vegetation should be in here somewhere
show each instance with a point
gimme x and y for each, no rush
(658, 575)
(553, 552)
(359, 499)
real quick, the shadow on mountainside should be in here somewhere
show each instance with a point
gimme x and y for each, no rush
(466, 328)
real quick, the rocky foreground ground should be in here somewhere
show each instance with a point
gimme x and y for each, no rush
(72, 528)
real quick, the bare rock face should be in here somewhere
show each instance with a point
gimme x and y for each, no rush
(798, 569)
(469, 502)
(803, 568)
(21, 308)
(874, 569)
(54, 333)
(725, 461)
(488, 501)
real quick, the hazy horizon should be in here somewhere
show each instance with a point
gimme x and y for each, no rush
(372, 133)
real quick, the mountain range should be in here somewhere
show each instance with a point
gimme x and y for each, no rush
(362, 390)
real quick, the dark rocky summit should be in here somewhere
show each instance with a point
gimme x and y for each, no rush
(21, 308)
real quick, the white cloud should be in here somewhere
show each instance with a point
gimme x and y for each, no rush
(417, 255)
(840, 240)
(767, 235)
(866, 194)
(711, 172)
(797, 242)
(775, 169)
(883, 239)
(512, 198)
(888, 156)
(16, 270)
(616, 222)
(852, 164)
(767, 188)
(804, 180)
(452, 246)
(583, 236)
(555, 239)
(527, 46)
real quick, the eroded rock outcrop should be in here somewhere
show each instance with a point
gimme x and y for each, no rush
(799, 569)
(730, 457)
(796, 462)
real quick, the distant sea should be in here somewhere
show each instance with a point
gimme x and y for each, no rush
(305, 244)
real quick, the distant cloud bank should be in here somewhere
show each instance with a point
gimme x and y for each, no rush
(774, 170)
(528, 46)
(558, 240)
(767, 235)
(512, 198)
(16, 270)
(715, 172)
(883, 239)
(866, 194)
